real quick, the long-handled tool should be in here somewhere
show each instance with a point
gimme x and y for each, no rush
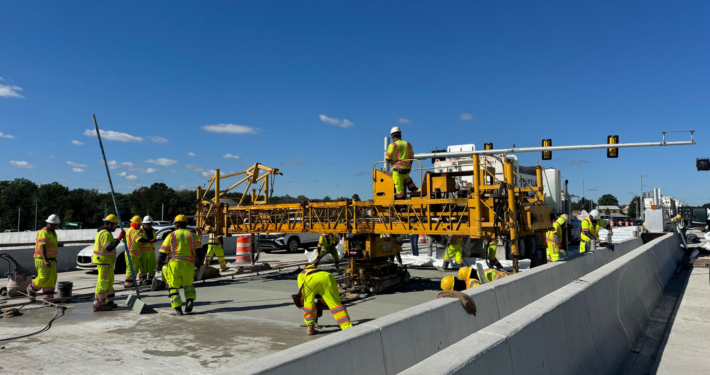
(134, 301)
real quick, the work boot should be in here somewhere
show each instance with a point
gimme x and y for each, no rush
(310, 330)
(443, 267)
(31, 295)
(103, 308)
(113, 305)
(224, 269)
(149, 282)
(177, 311)
(188, 306)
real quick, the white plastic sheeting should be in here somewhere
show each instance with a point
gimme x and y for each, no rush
(312, 255)
(426, 261)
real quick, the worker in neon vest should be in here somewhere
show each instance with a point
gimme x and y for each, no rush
(400, 155)
(45, 260)
(180, 271)
(590, 230)
(314, 283)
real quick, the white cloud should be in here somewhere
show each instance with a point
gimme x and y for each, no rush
(113, 136)
(127, 164)
(157, 139)
(190, 154)
(185, 187)
(10, 91)
(206, 173)
(78, 143)
(22, 164)
(8, 136)
(131, 177)
(122, 174)
(112, 164)
(162, 161)
(230, 129)
(293, 162)
(404, 121)
(336, 121)
(151, 170)
(77, 164)
(77, 170)
(466, 117)
(230, 156)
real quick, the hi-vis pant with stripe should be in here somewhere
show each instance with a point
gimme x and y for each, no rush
(323, 284)
(104, 287)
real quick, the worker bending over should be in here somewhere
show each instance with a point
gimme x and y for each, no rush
(45, 260)
(215, 249)
(105, 259)
(400, 155)
(590, 230)
(554, 239)
(136, 242)
(148, 260)
(314, 283)
(327, 245)
(454, 252)
(468, 279)
(180, 271)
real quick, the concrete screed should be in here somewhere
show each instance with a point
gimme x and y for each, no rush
(234, 321)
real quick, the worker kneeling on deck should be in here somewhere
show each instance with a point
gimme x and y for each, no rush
(179, 273)
(590, 230)
(314, 282)
(400, 155)
(45, 260)
(105, 259)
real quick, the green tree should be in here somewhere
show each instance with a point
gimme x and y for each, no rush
(608, 200)
(583, 204)
(633, 207)
(356, 198)
(16, 194)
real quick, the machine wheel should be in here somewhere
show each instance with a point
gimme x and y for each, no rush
(292, 245)
(531, 245)
(522, 248)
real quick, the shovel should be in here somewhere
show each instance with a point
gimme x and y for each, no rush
(133, 301)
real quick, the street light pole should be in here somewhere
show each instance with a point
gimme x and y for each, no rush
(641, 204)
(36, 206)
(162, 211)
(18, 219)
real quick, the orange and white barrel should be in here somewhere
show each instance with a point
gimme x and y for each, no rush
(243, 249)
(611, 223)
(422, 239)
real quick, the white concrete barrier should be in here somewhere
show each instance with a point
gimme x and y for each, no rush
(410, 336)
(586, 327)
(66, 258)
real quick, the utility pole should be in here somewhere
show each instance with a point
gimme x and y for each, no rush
(105, 210)
(162, 211)
(640, 210)
(18, 219)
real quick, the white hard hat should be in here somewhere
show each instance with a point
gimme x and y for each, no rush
(594, 214)
(53, 219)
(395, 130)
(147, 220)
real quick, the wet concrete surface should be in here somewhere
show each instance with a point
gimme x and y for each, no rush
(233, 321)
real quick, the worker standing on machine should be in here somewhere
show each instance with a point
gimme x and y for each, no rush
(400, 155)
(454, 252)
(215, 248)
(148, 260)
(312, 283)
(590, 230)
(327, 245)
(180, 271)
(105, 259)
(135, 241)
(45, 260)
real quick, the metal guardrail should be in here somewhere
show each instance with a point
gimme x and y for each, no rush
(32, 244)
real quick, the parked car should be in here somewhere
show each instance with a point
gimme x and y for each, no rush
(83, 259)
(291, 242)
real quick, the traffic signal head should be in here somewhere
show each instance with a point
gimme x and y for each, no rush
(547, 155)
(612, 152)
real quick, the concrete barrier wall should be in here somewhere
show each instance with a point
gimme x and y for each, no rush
(586, 327)
(402, 339)
(66, 258)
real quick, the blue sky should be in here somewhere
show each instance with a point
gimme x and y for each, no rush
(288, 75)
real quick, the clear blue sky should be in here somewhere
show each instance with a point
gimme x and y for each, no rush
(452, 73)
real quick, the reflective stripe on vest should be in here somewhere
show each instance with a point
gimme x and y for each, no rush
(399, 163)
(591, 231)
(49, 242)
(103, 246)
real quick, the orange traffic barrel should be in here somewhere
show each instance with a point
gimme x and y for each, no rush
(243, 249)
(422, 239)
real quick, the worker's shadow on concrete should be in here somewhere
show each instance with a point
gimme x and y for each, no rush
(241, 308)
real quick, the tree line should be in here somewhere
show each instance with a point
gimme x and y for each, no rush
(89, 206)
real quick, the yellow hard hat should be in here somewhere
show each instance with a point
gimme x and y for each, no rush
(310, 266)
(678, 216)
(464, 273)
(447, 283)
(136, 220)
(112, 218)
(180, 219)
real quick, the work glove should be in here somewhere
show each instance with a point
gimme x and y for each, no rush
(159, 266)
(47, 263)
(121, 235)
(153, 240)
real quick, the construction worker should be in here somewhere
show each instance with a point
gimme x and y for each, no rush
(451, 283)
(454, 252)
(326, 244)
(315, 283)
(215, 248)
(148, 260)
(492, 260)
(136, 242)
(590, 230)
(45, 260)
(180, 271)
(553, 245)
(105, 259)
(400, 155)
